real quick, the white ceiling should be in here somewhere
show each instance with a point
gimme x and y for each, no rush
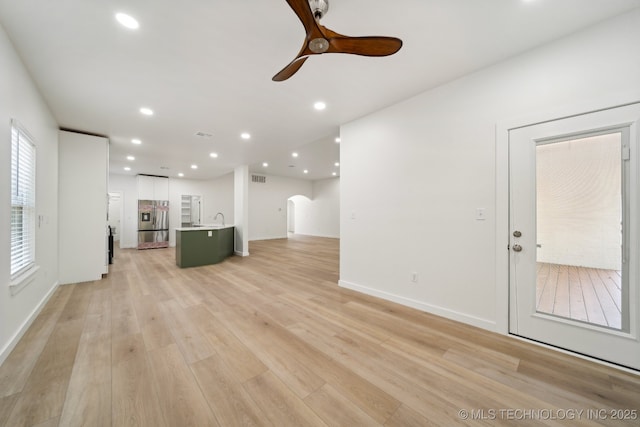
(206, 66)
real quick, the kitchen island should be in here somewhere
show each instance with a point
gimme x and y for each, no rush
(203, 245)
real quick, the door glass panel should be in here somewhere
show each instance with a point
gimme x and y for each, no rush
(579, 229)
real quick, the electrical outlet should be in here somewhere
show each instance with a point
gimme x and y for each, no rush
(414, 277)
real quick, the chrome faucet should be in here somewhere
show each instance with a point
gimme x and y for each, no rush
(216, 217)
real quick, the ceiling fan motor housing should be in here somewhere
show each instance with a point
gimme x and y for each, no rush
(319, 7)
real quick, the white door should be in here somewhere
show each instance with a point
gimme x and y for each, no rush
(574, 234)
(115, 206)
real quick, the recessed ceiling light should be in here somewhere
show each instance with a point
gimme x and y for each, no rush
(146, 111)
(194, 166)
(131, 158)
(319, 105)
(294, 154)
(127, 168)
(127, 21)
(338, 140)
(136, 141)
(336, 164)
(335, 174)
(213, 155)
(245, 135)
(180, 174)
(306, 171)
(265, 165)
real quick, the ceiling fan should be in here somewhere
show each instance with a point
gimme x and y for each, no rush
(320, 39)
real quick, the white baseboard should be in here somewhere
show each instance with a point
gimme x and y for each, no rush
(25, 325)
(422, 306)
(240, 253)
(253, 239)
(326, 236)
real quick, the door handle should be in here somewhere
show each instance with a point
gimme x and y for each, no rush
(517, 248)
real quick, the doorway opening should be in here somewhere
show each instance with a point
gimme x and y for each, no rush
(190, 210)
(114, 214)
(298, 214)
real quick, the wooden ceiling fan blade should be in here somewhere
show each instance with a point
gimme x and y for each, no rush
(290, 69)
(303, 10)
(366, 46)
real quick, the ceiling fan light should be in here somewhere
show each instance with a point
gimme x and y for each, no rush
(319, 8)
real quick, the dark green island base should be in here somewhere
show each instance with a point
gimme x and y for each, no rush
(203, 245)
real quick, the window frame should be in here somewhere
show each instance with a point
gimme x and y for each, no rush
(22, 252)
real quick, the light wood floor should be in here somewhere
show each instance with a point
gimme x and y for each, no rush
(586, 294)
(271, 340)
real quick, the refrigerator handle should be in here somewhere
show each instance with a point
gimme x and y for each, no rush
(153, 215)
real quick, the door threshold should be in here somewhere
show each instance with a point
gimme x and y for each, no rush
(578, 355)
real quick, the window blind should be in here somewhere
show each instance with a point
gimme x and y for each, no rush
(23, 200)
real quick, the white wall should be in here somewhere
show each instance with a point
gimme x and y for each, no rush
(20, 99)
(579, 203)
(430, 162)
(268, 205)
(319, 216)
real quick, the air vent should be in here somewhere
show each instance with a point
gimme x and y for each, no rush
(204, 135)
(260, 179)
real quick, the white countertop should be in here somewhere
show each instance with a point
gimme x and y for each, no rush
(204, 227)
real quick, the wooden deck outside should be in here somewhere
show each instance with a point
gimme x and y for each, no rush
(586, 294)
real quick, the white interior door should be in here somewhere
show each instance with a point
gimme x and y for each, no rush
(115, 207)
(574, 219)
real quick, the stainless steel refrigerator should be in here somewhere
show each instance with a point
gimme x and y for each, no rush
(153, 224)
